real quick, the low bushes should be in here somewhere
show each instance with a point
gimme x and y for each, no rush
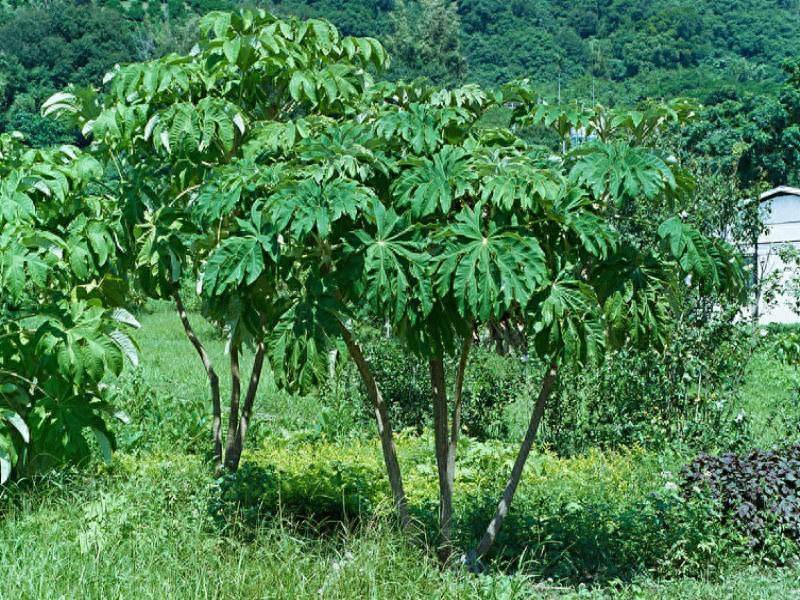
(594, 518)
(647, 398)
(758, 493)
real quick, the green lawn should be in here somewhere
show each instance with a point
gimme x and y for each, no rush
(141, 528)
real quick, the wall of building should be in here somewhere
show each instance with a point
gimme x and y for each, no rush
(782, 217)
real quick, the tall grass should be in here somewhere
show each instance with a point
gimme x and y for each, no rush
(142, 529)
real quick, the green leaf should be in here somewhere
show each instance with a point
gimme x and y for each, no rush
(488, 268)
(126, 345)
(236, 261)
(310, 206)
(621, 171)
(231, 49)
(393, 259)
(435, 184)
(17, 422)
(106, 448)
(5, 465)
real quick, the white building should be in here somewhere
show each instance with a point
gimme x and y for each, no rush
(781, 214)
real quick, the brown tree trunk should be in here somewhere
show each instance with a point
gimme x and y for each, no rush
(234, 455)
(455, 426)
(384, 426)
(216, 405)
(442, 444)
(516, 472)
(233, 416)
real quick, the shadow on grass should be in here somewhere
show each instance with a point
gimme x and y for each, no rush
(572, 542)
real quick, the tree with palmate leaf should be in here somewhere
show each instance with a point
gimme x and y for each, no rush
(418, 216)
(178, 128)
(403, 207)
(62, 342)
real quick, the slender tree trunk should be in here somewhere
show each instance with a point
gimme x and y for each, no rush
(216, 405)
(441, 434)
(516, 472)
(384, 426)
(233, 417)
(455, 426)
(234, 455)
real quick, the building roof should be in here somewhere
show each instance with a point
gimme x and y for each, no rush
(781, 190)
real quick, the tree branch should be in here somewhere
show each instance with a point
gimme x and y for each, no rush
(516, 472)
(441, 442)
(247, 407)
(384, 426)
(455, 426)
(233, 417)
(216, 405)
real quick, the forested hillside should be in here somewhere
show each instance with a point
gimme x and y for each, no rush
(726, 52)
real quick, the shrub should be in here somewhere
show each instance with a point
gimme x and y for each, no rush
(757, 492)
(593, 518)
(644, 397)
(492, 383)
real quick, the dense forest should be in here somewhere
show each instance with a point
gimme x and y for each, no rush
(727, 54)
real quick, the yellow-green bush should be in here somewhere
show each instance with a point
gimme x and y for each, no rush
(599, 516)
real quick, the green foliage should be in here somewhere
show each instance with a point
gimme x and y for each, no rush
(687, 395)
(620, 51)
(61, 340)
(425, 41)
(44, 48)
(593, 518)
(755, 134)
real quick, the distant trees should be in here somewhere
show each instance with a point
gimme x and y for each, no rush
(425, 41)
(618, 51)
(755, 136)
(45, 47)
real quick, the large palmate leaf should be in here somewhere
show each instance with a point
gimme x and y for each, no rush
(563, 118)
(393, 254)
(434, 184)
(518, 181)
(424, 128)
(621, 172)
(308, 205)
(347, 150)
(575, 212)
(711, 263)
(635, 291)
(488, 269)
(566, 318)
(240, 260)
(301, 338)
(162, 239)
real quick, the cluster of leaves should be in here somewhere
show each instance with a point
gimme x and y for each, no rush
(476, 222)
(61, 340)
(209, 125)
(758, 492)
(198, 143)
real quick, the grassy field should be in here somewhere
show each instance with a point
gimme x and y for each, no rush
(141, 528)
